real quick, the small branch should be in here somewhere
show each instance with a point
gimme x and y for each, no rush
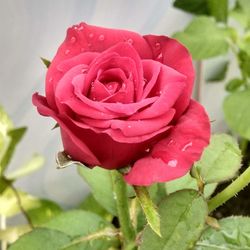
(19, 203)
(230, 191)
(120, 195)
(133, 212)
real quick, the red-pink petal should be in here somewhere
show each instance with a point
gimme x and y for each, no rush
(173, 54)
(173, 156)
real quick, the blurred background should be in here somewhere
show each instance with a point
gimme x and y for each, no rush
(31, 29)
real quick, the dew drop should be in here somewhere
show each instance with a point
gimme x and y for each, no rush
(83, 70)
(80, 28)
(130, 41)
(73, 39)
(110, 86)
(147, 150)
(187, 146)
(172, 163)
(157, 45)
(101, 37)
(123, 85)
(129, 126)
(159, 57)
(91, 35)
(170, 142)
(51, 79)
(67, 51)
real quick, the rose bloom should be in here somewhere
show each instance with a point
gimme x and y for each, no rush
(124, 99)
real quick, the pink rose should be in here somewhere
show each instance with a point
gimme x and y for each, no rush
(124, 99)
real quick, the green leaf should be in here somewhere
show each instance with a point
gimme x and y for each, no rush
(220, 161)
(148, 208)
(241, 13)
(183, 216)
(244, 59)
(90, 204)
(100, 183)
(219, 72)
(188, 182)
(204, 38)
(83, 226)
(9, 205)
(218, 9)
(234, 84)
(46, 62)
(77, 223)
(41, 239)
(46, 211)
(32, 165)
(15, 136)
(198, 7)
(234, 233)
(237, 115)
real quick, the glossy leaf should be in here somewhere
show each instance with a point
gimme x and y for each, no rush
(90, 204)
(234, 233)
(100, 183)
(41, 239)
(32, 165)
(204, 38)
(198, 7)
(83, 227)
(218, 9)
(220, 161)
(234, 84)
(237, 115)
(183, 216)
(188, 182)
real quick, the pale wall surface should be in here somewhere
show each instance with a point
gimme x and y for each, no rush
(32, 28)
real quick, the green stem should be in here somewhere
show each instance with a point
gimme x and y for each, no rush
(230, 191)
(120, 194)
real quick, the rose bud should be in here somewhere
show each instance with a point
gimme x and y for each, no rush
(124, 99)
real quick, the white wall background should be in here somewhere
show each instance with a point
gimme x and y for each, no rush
(32, 28)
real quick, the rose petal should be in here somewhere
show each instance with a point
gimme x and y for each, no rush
(72, 143)
(173, 54)
(173, 156)
(83, 38)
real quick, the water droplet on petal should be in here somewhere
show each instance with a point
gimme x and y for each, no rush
(130, 41)
(51, 79)
(83, 70)
(172, 163)
(123, 85)
(159, 57)
(129, 126)
(187, 146)
(101, 37)
(91, 35)
(147, 150)
(157, 45)
(170, 142)
(67, 51)
(73, 39)
(110, 86)
(80, 27)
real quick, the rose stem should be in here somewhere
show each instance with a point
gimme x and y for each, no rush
(231, 190)
(120, 195)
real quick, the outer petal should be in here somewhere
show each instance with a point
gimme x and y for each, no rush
(173, 156)
(83, 37)
(76, 146)
(170, 52)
